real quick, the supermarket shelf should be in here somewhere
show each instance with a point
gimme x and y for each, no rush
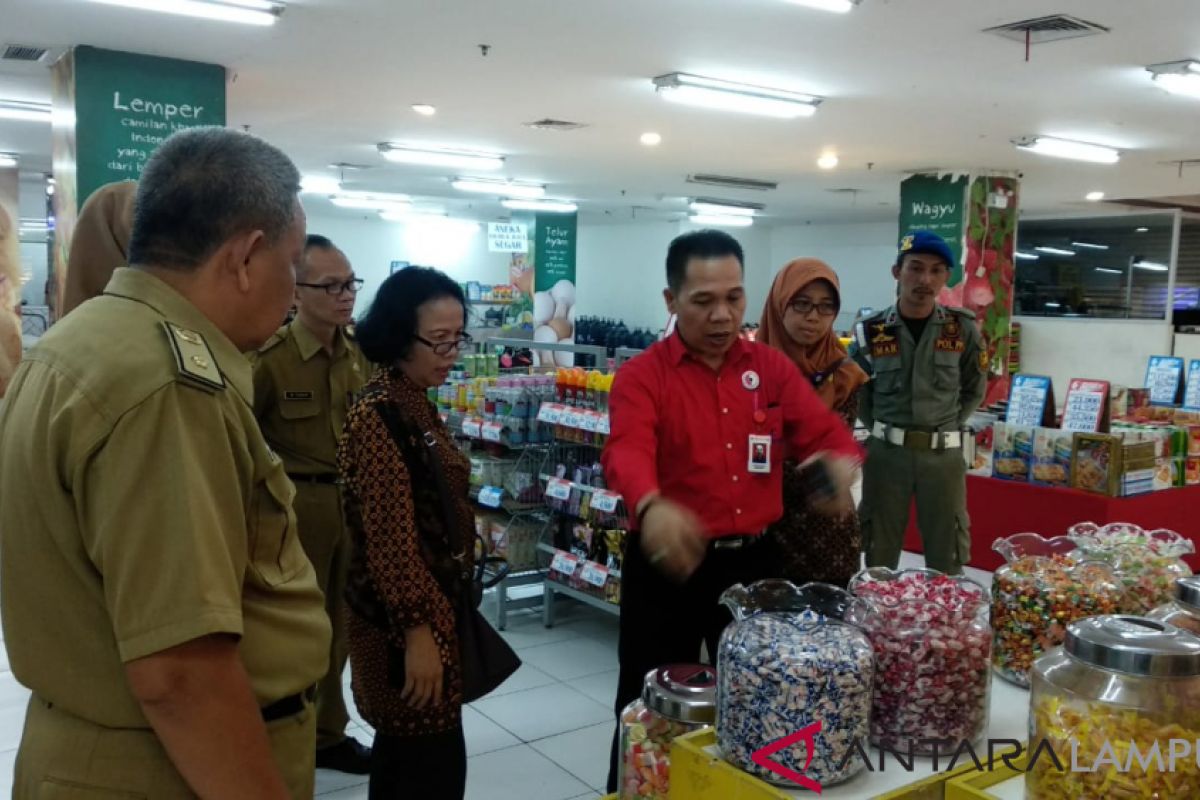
(507, 504)
(545, 548)
(505, 603)
(552, 588)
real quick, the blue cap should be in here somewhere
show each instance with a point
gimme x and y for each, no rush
(926, 242)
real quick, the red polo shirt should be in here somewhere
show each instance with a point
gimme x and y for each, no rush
(682, 430)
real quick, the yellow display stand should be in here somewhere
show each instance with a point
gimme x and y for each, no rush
(975, 785)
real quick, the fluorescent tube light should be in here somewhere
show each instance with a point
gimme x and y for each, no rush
(440, 157)
(1053, 305)
(320, 184)
(1110, 271)
(1065, 148)
(372, 201)
(1178, 77)
(247, 12)
(1151, 266)
(1026, 256)
(7, 160)
(1089, 246)
(24, 112)
(30, 224)
(1141, 230)
(720, 210)
(721, 221)
(836, 6)
(1054, 251)
(525, 191)
(1094, 197)
(553, 206)
(712, 93)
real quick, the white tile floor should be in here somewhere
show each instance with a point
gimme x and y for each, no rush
(543, 735)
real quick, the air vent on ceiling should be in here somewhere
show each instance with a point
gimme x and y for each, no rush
(730, 203)
(24, 52)
(555, 125)
(1054, 28)
(726, 182)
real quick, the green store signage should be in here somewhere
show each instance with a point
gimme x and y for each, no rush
(938, 205)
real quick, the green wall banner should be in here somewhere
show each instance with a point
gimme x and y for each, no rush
(937, 204)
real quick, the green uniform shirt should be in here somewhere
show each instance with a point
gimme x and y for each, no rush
(302, 394)
(143, 509)
(932, 385)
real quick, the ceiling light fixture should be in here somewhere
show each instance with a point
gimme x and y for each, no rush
(1141, 230)
(7, 160)
(525, 191)
(1054, 251)
(651, 139)
(440, 157)
(424, 109)
(1110, 271)
(1053, 305)
(721, 221)
(320, 184)
(24, 112)
(827, 161)
(1178, 77)
(1026, 256)
(713, 208)
(411, 214)
(712, 93)
(836, 6)
(553, 206)
(1089, 246)
(32, 224)
(1066, 148)
(372, 201)
(1094, 197)
(247, 12)
(1150, 266)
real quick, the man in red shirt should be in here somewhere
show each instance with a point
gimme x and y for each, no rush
(701, 424)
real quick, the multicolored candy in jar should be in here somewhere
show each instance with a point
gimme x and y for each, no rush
(675, 700)
(1147, 562)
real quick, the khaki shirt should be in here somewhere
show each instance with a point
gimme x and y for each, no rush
(302, 394)
(933, 385)
(143, 509)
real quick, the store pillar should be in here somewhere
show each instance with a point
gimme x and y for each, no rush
(977, 216)
(111, 110)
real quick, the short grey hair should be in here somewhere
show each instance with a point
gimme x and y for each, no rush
(202, 187)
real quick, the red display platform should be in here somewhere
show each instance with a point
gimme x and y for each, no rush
(1001, 508)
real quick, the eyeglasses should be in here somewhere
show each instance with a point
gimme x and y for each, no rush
(446, 348)
(804, 306)
(334, 289)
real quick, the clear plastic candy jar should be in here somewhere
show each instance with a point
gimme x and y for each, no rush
(933, 647)
(675, 700)
(1147, 562)
(1037, 594)
(787, 663)
(1184, 611)
(1108, 710)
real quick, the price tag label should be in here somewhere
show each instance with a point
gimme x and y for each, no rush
(605, 501)
(1085, 406)
(592, 422)
(490, 496)
(491, 431)
(1164, 376)
(472, 427)
(567, 417)
(595, 574)
(558, 489)
(550, 413)
(476, 469)
(564, 562)
(603, 425)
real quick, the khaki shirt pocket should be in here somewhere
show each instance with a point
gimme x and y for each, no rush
(946, 375)
(275, 552)
(304, 406)
(889, 375)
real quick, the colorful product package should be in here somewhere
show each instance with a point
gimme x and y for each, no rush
(1096, 463)
(1012, 451)
(1052, 450)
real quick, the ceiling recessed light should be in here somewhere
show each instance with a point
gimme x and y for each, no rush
(320, 184)
(1055, 251)
(1094, 196)
(24, 112)
(721, 221)
(713, 93)
(1066, 148)
(836, 6)
(424, 109)
(526, 191)
(7, 160)
(827, 161)
(651, 139)
(553, 206)
(440, 157)
(248, 12)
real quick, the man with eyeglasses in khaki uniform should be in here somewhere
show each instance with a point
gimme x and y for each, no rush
(304, 379)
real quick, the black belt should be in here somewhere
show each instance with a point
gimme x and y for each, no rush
(327, 478)
(732, 542)
(289, 706)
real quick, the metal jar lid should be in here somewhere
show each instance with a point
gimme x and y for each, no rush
(1187, 592)
(682, 692)
(1134, 646)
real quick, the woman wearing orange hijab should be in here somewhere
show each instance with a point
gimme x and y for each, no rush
(798, 319)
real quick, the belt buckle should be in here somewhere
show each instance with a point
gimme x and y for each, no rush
(729, 543)
(919, 440)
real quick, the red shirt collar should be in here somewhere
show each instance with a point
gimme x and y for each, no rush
(677, 350)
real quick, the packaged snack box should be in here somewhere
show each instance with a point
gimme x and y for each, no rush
(1052, 450)
(1012, 451)
(1096, 463)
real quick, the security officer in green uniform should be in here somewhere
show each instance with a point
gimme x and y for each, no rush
(928, 368)
(155, 595)
(304, 379)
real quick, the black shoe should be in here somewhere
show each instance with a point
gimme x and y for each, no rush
(346, 756)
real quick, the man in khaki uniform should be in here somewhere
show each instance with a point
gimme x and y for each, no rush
(155, 596)
(928, 370)
(304, 378)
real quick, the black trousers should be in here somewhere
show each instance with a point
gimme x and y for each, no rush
(432, 767)
(663, 622)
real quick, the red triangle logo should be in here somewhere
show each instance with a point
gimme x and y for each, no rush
(763, 757)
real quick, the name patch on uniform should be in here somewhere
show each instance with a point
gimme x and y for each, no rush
(297, 395)
(883, 341)
(945, 344)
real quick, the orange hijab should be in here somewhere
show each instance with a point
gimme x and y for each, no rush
(827, 354)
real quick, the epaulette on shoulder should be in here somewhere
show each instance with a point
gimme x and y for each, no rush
(962, 312)
(193, 358)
